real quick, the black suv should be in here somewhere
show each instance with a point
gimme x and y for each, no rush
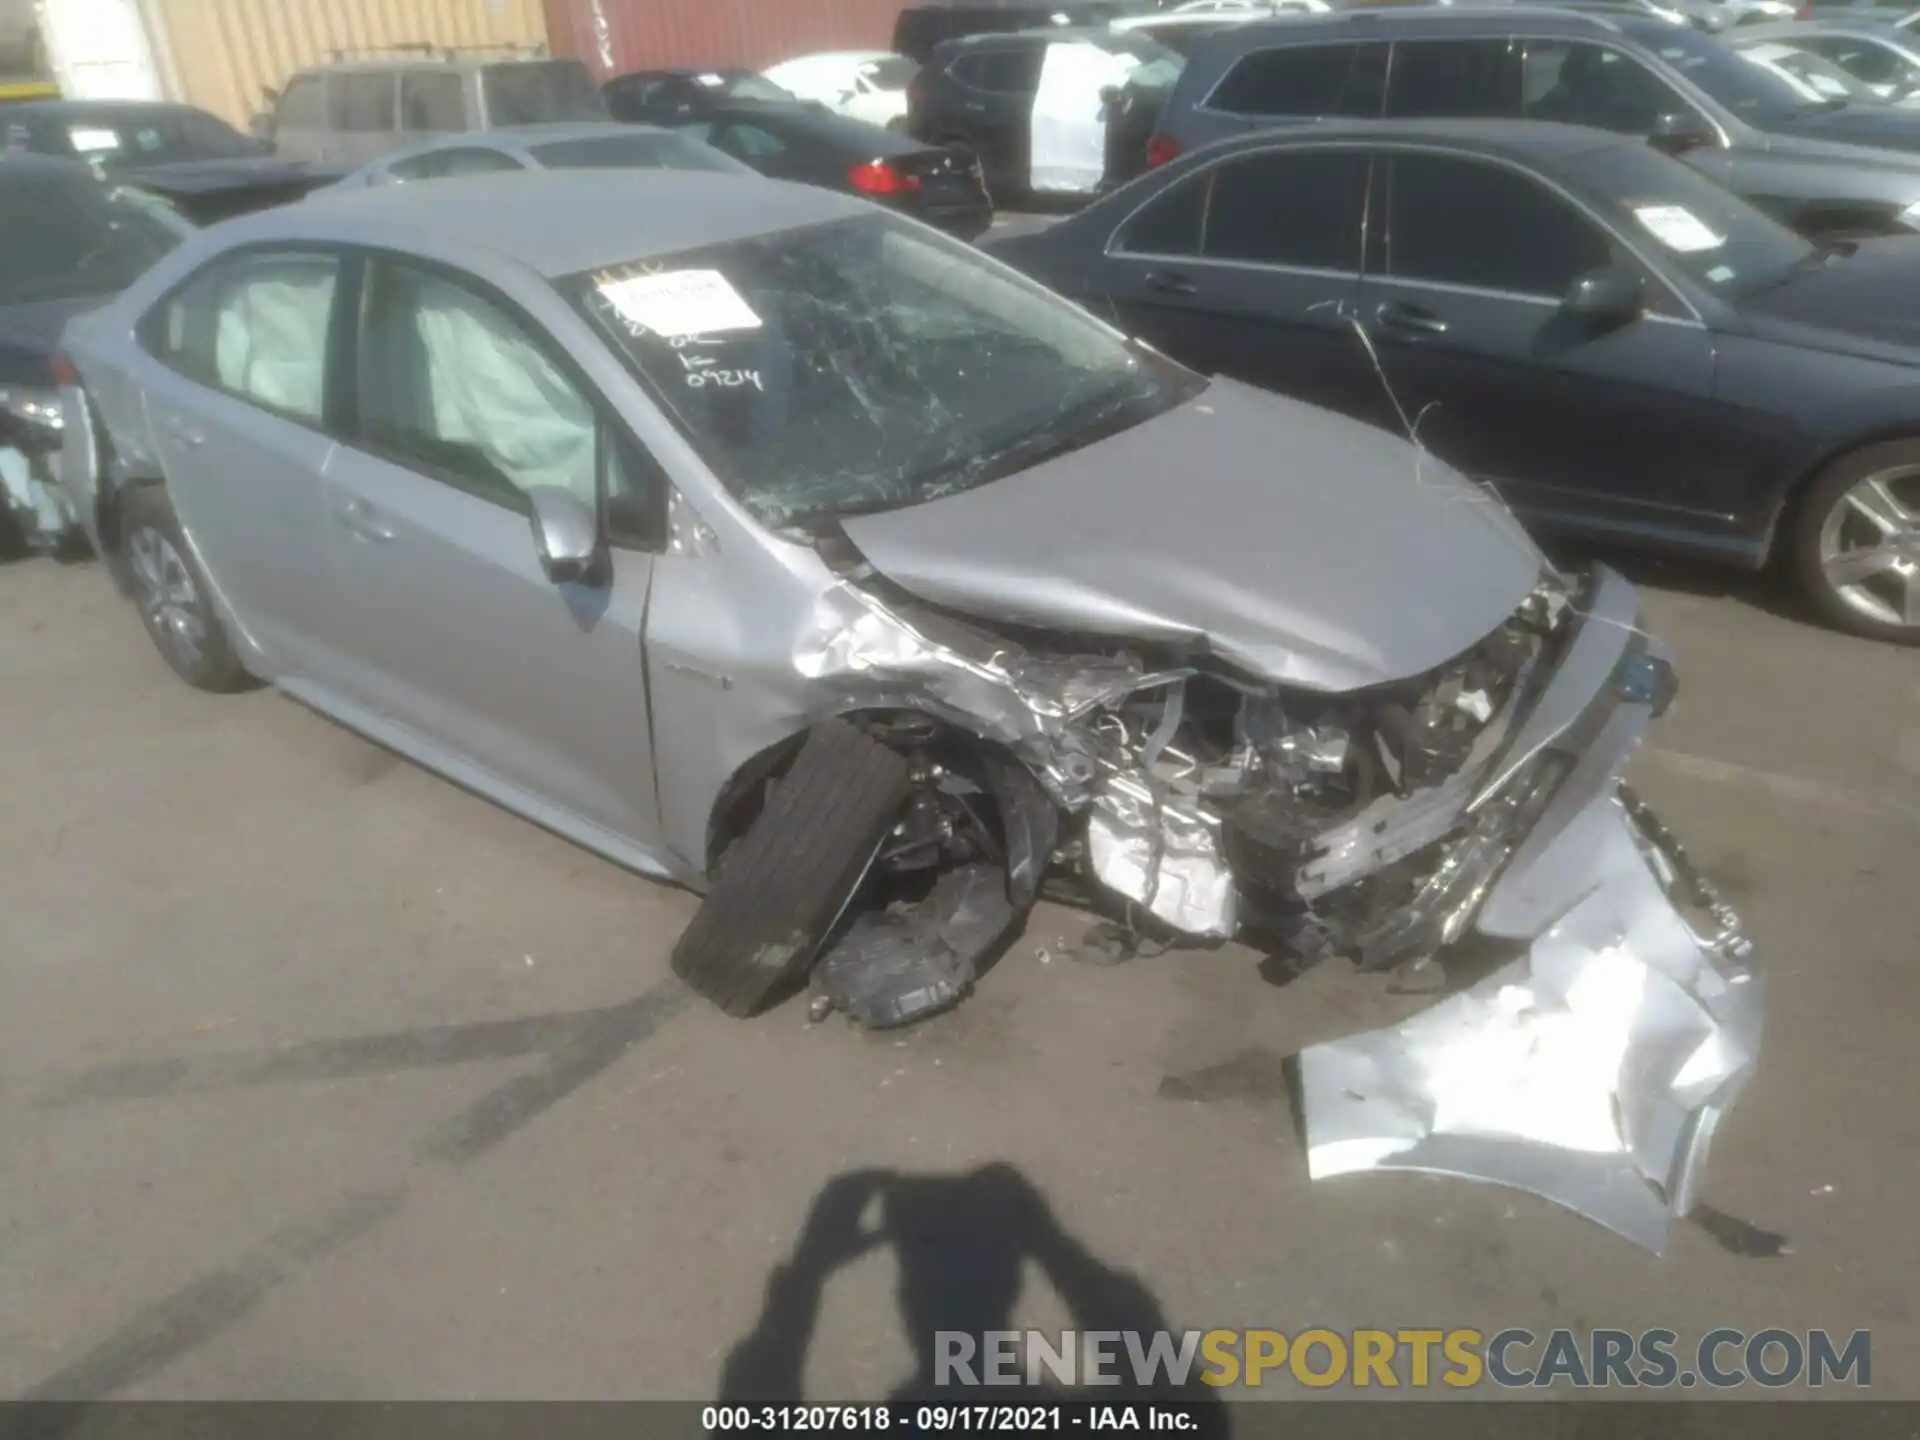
(1828, 169)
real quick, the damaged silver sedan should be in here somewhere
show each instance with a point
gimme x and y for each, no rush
(774, 545)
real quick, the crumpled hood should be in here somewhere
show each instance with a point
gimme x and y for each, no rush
(1300, 545)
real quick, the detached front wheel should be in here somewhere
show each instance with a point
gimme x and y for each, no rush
(1856, 546)
(786, 882)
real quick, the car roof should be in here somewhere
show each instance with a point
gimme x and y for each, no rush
(1527, 141)
(1836, 25)
(348, 65)
(554, 222)
(57, 109)
(1364, 23)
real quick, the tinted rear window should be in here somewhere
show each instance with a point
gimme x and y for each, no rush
(532, 92)
(1306, 80)
(62, 236)
(643, 152)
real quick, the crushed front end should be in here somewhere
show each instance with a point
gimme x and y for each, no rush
(1482, 798)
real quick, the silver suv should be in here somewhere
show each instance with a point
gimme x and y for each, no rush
(353, 111)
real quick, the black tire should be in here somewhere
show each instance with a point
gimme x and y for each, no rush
(1818, 505)
(789, 877)
(183, 624)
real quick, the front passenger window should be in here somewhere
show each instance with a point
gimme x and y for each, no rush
(1585, 84)
(255, 326)
(1467, 222)
(452, 383)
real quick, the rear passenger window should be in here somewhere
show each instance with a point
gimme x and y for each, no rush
(256, 326)
(1306, 80)
(363, 103)
(1300, 208)
(433, 103)
(1170, 223)
(1464, 222)
(1475, 78)
(453, 160)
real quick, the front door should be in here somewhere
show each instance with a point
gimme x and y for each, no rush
(1248, 269)
(456, 632)
(1614, 425)
(237, 402)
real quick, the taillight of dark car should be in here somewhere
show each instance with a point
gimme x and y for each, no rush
(64, 370)
(1161, 149)
(880, 179)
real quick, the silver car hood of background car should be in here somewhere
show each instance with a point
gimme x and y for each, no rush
(1300, 545)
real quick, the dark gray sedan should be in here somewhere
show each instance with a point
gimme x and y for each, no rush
(1616, 344)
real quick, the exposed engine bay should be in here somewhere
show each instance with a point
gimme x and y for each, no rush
(1206, 803)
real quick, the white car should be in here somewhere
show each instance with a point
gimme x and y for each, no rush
(869, 85)
(1815, 76)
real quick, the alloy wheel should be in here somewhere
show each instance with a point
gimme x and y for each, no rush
(1870, 547)
(169, 599)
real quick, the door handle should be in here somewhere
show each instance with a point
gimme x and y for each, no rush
(1398, 315)
(183, 432)
(1170, 282)
(363, 520)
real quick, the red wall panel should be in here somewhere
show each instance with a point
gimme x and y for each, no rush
(617, 36)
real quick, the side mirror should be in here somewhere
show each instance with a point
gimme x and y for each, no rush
(565, 533)
(1609, 295)
(1681, 131)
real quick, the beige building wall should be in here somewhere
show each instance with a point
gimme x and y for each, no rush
(219, 54)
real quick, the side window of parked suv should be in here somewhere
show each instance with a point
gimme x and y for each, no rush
(1473, 78)
(1305, 80)
(1578, 83)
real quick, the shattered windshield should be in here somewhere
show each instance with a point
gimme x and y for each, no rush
(866, 364)
(62, 237)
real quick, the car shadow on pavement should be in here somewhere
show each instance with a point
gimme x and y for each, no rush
(962, 1244)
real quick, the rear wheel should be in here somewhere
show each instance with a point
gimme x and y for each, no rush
(173, 596)
(1856, 542)
(786, 882)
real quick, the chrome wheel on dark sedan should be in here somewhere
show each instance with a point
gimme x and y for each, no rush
(1869, 549)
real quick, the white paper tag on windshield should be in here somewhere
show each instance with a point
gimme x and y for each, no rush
(681, 302)
(91, 141)
(1677, 228)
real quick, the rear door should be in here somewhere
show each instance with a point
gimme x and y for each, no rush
(533, 690)
(1617, 423)
(1248, 268)
(993, 86)
(238, 402)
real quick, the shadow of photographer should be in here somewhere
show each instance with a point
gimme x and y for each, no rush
(961, 1244)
